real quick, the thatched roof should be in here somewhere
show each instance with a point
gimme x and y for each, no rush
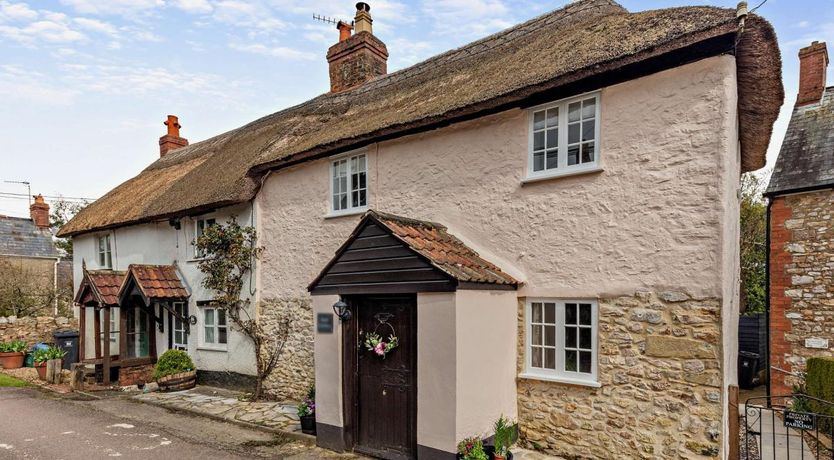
(584, 45)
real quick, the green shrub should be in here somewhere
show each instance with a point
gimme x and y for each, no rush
(46, 354)
(15, 346)
(819, 383)
(172, 362)
(472, 449)
(504, 431)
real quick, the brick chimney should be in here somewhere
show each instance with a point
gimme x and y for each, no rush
(39, 211)
(357, 58)
(813, 64)
(172, 140)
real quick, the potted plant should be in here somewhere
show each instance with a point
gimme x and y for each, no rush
(504, 433)
(174, 371)
(307, 412)
(47, 354)
(12, 354)
(472, 449)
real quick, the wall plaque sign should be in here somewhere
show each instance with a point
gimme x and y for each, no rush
(324, 323)
(816, 342)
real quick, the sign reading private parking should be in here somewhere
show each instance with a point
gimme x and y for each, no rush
(799, 420)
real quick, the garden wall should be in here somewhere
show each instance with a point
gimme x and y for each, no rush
(33, 329)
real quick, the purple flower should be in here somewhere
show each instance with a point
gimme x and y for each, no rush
(380, 349)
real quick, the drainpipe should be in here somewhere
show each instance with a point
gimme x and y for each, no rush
(767, 294)
(55, 285)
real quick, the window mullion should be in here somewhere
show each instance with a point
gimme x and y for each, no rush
(563, 136)
(560, 337)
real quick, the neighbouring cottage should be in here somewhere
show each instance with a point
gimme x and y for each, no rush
(801, 230)
(31, 264)
(545, 219)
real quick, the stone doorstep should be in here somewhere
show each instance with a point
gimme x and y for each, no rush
(296, 435)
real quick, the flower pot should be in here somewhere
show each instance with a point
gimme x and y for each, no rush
(41, 368)
(12, 359)
(308, 424)
(178, 382)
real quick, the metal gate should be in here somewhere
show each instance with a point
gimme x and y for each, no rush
(787, 427)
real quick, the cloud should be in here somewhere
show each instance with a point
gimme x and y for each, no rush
(249, 15)
(126, 8)
(468, 17)
(95, 25)
(274, 51)
(16, 12)
(194, 6)
(29, 86)
(45, 31)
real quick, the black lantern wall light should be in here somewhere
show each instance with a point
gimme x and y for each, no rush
(342, 310)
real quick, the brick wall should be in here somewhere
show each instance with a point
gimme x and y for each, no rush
(135, 375)
(801, 284)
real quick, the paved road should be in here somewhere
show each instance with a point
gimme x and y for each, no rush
(35, 425)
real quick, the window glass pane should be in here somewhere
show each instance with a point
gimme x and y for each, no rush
(536, 357)
(588, 152)
(570, 337)
(363, 197)
(209, 334)
(538, 140)
(178, 337)
(537, 312)
(538, 161)
(221, 335)
(588, 130)
(552, 159)
(573, 155)
(585, 338)
(553, 117)
(550, 336)
(573, 133)
(109, 259)
(585, 362)
(589, 108)
(552, 138)
(570, 313)
(573, 111)
(550, 313)
(343, 201)
(538, 120)
(550, 358)
(221, 317)
(354, 198)
(570, 361)
(537, 335)
(585, 314)
(208, 316)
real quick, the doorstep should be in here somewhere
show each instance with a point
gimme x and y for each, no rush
(223, 405)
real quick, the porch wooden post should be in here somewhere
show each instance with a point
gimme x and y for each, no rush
(123, 332)
(732, 400)
(152, 332)
(105, 360)
(82, 331)
(97, 332)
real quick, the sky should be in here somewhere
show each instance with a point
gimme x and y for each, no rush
(86, 84)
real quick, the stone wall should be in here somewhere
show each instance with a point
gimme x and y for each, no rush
(660, 376)
(33, 329)
(802, 290)
(294, 373)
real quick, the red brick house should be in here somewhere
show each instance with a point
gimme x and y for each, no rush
(801, 235)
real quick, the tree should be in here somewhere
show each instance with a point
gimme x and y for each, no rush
(753, 253)
(230, 253)
(62, 212)
(24, 291)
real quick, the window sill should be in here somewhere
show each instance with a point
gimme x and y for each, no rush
(563, 173)
(207, 348)
(555, 379)
(347, 212)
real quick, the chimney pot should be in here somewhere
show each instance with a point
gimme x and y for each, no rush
(363, 21)
(172, 140)
(39, 211)
(813, 65)
(345, 30)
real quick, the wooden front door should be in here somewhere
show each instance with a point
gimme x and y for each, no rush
(384, 412)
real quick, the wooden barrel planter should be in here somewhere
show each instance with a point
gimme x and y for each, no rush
(178, 382)
(12, 359)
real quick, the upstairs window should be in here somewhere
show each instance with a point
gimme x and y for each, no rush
(105, 257)
(562, 341)
(564, 137)
(200, 227)
(349, 184)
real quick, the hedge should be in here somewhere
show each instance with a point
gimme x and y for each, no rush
(819, 383)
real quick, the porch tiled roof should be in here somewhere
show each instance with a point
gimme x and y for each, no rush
(443, 250)
(157, 281)
(105, 285)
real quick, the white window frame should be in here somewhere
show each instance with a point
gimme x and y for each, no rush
(104, 257)
(212, 345)
(197, 234)
(563, 169)
(351, 209)
(558, 374)
(184, 345)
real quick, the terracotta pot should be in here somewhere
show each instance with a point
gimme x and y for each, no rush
(41, 368)
(12, 359)
(308, 424)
